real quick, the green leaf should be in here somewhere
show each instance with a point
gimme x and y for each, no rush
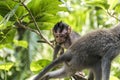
(7, 36)
(37, 66)
(45, 12)
(47, 18)
(6, 66)
(42, 25)
(9, 7)
(6, 6)
(3, 8)
(21, 43)
(2, 26)
(20, 11)
(45, 22)
(44, 6)
(7, 45)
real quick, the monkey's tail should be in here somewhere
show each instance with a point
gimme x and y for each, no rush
(62, 58)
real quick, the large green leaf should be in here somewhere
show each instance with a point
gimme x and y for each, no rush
(7, 6)
(42, 25)
(21, 43)
(4, 24)
(6, 66)
(37, 66)
(45, 10)
(4, 9)
(47, 18)
(8, 45)
(45, 22)
(44, 6)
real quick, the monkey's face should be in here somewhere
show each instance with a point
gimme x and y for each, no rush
(61, 32)
(60, 38)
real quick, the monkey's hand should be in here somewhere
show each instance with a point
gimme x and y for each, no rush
(79, 76)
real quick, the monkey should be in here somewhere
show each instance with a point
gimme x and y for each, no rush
(64, 37)
(94, 51)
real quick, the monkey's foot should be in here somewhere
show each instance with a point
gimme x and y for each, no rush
(79, 76)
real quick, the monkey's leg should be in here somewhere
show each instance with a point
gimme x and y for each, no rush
(107, 58)
(97, 70)
(106, 64)
(106, 61)
(56, 51)
(60, 73)
(91, 76)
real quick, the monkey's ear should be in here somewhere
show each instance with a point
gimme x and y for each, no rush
(69, 30)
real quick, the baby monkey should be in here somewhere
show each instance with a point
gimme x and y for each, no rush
(94, 51)
(64, 37)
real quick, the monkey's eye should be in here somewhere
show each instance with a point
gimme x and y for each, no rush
(56, 36)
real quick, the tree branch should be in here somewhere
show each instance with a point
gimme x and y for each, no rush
(112, 15)
(36, 25)
(52, 41)
(23, 26)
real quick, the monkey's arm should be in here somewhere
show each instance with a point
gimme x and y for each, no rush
(61, 51)
(91, 76)
(56, 51)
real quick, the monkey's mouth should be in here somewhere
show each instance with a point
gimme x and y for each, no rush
(60, 40)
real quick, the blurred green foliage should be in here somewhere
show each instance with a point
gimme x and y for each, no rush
(37, 66)
(21, 56)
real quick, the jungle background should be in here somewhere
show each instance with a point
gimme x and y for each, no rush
(24, 22)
